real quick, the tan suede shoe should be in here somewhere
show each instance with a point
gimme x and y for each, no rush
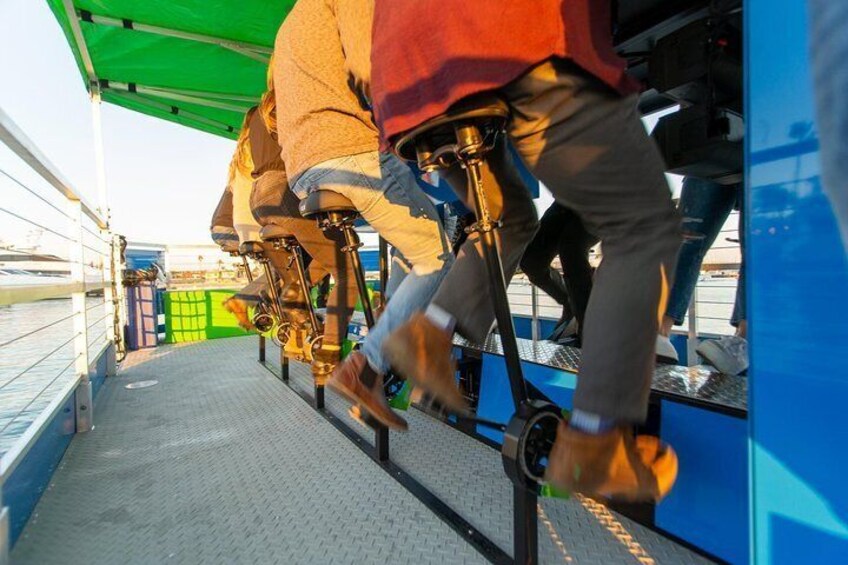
(324, 363)
(238, 308)
(345, 380)
(422, 352)
(615, 464)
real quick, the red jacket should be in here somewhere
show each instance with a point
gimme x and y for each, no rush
(428, 54)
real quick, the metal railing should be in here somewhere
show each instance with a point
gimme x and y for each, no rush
(709, 311)
(61, 249)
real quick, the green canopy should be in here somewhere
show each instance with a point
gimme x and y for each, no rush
(199, 63)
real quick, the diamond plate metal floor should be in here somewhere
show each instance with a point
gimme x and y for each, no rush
(700, 383)
(469, 477)
(221, 463)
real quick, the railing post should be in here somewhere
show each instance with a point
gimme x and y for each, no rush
(692, 357)
(119, 297)
(109, 300)
(534, 313)
(83, 394)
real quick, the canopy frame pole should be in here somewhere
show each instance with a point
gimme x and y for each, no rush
(256, 52)
(76, 30)
(172, 95)
(208, 94)
(174, 110)
(111, 292)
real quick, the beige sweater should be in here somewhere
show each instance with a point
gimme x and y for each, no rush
(322, 69)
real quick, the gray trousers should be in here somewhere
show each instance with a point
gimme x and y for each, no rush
(588, 145)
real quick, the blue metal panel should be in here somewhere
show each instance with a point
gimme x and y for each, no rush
(29, 480)
(495, 401)
(97, 373)
(708, 506)
(139, 259)
(798, 312)
(370, 260)
(523, 327)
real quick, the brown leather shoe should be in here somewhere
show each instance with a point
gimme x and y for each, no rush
(345, 381)
(615, 464)
(422, 352)
(238, 308)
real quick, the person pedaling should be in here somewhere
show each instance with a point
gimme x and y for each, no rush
(545, 74)
(330, 146)
(255, 294)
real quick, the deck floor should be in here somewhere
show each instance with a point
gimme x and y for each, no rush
(222, 463)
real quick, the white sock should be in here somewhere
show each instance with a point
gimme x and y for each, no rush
(440, 318)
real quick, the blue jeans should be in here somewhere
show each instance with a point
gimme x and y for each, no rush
(384, 191)
(705, 207)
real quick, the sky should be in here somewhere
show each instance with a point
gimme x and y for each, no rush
(163, 180)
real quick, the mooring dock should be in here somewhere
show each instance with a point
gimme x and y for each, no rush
(222, 462)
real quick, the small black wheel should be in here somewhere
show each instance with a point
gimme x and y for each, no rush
(263, 322)
(528, 441)
(282, 335)
(315, 345)
(536, 443)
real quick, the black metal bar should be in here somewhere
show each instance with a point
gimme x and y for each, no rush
(297, 252)
(352, 245)
(261, 348)
(525, 526)
(498, 287)
(284, 365)
(276, 307)
(381, 433)
(381, 444)
(384, 270)
(525, 522)
(247, 271)
(319, 397)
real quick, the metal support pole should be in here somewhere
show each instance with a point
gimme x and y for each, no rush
(381, 433)
(276, 307)
(534, 313)
(384, 271)
(486, 227)
(352, 246)
(297, 252)
(692, 357)
(381, 443)
(107, 268)
(261, 348)
(83, 395)
(247, 272)
(284, 365)
(525, 526)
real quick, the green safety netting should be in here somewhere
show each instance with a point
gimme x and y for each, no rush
(199, 63)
